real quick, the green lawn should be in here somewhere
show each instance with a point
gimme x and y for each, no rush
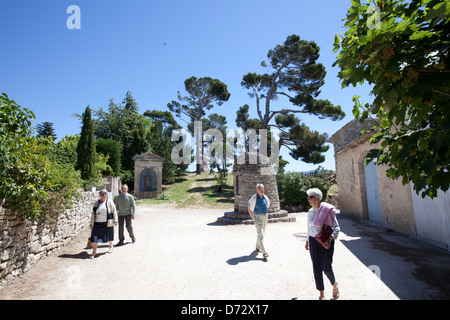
(191, 190)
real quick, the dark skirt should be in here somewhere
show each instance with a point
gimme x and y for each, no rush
(102, 233)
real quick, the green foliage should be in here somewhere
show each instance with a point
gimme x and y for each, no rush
(295, 74)
(30, 184)
(64, 152)
(203, 94)
(221, 179)
(162, 125)
(123, 123)
(402, 48)
(46, 130)
(86, 148)
(110, 148)
(295, 185)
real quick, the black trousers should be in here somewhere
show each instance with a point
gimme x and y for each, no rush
(122, 221)
(321, 260)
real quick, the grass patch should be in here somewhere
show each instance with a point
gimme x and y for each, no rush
(191, 190)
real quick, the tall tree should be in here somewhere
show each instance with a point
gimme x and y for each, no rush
(110, 148)
(402, 48)
(45, 129)
(217, 122)
(203, 94)
(133, 135)
(123, 123)
(163, 124)
(86, 147)
(295, 74)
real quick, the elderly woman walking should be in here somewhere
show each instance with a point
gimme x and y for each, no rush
(103, 220)
(321, 214)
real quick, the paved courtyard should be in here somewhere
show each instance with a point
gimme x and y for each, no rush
(184, 254)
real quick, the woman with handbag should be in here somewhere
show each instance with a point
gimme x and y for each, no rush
(323, 228)
(103, 220)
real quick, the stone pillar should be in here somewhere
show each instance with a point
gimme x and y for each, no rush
(256, 169)
(245, 178)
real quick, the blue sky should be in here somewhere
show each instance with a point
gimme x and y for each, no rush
(150, 47)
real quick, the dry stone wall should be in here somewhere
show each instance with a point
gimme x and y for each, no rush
(24, 243)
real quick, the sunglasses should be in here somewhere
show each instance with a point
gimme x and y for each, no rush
(310, 197)
(103, 194)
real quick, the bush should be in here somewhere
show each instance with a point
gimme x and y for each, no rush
(111, 148)
(30, 183)
(295, 185)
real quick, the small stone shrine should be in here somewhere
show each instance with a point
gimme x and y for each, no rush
(245, 178)
(147, 175)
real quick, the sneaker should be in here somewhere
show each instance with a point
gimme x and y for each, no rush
(110, 250)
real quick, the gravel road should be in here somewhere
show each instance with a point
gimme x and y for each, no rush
(184, 254)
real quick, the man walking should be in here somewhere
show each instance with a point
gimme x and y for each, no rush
(258, 207)
(126, 208)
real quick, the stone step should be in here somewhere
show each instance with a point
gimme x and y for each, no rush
(244, 218)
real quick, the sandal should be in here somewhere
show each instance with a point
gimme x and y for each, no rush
(336, 291)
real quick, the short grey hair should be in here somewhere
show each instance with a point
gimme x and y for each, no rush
(259, 185)
(103, 191)
(314, 192)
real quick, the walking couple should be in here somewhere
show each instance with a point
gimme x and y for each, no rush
(106, 214)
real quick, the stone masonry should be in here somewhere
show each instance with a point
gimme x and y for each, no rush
(256, 169)
(24, 243)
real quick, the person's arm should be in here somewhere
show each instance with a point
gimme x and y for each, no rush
(133, 206)
(114, 210)
(116, 202)
(307, 231)
(268, 202)
(337, 228)
(251, 205)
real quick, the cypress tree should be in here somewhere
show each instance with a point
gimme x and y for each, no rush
(86, 147)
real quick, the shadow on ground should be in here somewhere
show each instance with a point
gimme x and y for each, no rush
(431, 265)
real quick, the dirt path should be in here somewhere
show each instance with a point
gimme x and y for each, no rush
(185, 254)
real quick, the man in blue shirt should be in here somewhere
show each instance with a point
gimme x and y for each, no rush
(258, 208)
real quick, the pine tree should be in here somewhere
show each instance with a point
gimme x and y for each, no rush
(86, 147)
(45, 129)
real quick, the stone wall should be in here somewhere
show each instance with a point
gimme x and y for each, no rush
(398, 213)
(24, 243)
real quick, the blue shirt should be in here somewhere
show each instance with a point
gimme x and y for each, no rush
(261, 205)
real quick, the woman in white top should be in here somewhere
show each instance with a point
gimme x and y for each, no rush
(103, 220)
(319, 215)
